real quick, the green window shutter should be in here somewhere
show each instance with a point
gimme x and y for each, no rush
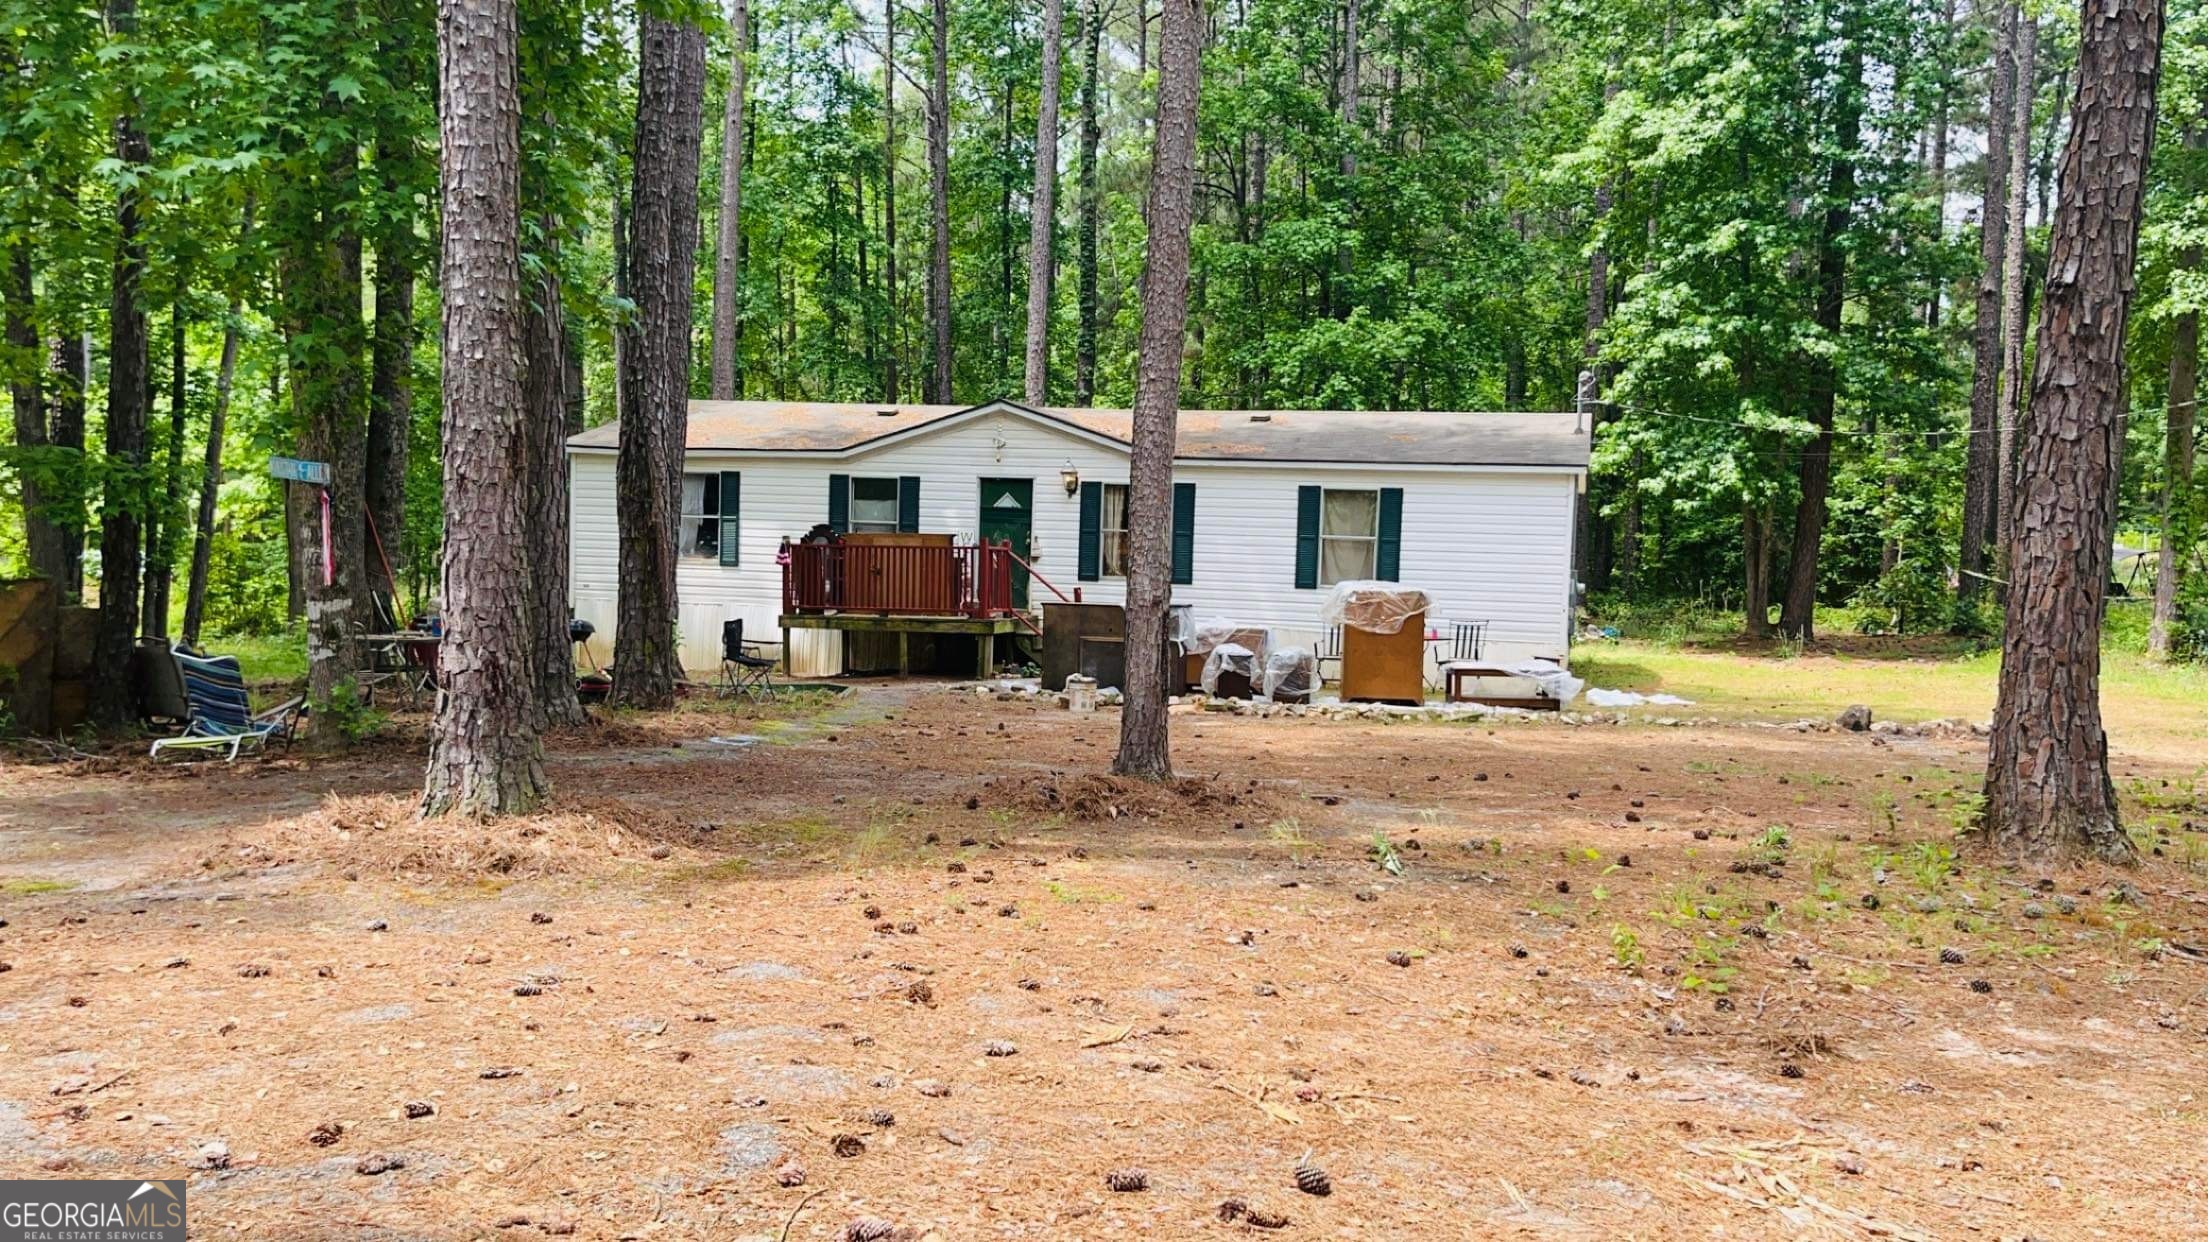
(1184, 533)
(839, 503)
(908, 502)
(1388, 557)
(732, 509)
(1307, 538)
(1090, 562)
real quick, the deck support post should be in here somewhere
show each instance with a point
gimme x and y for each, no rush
(986, 647)
(904, 653)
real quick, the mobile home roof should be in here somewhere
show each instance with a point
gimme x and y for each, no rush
(1344, 436)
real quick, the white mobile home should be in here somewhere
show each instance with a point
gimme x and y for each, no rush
(1270, 509)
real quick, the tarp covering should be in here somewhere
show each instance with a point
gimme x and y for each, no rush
(1212, 631)
(1229, 657)
(1551, 677)
(1291, 674)
(1374, 607)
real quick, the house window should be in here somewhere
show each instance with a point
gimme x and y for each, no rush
(701, 516)
(1349, 536)
(873, 503)
(1112, 532)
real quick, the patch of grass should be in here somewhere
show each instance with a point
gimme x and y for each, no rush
(1625, 946)
(2150, 708)
(805, 830)
(1289, 835)
(278, 659)
(1076, 895)
(32, 888)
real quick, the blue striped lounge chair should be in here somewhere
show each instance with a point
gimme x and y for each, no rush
(221, 718)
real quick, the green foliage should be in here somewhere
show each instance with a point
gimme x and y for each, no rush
(350, 714)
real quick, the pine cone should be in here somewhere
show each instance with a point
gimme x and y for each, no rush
(1980, 986)
(1259, 1218)
(1233, 1210)
(848, 1145)
(1312, 1180)
(1397, 957)
(1951, 957)
(1124, 1180)
(868, 1229)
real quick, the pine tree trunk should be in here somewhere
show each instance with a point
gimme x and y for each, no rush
(123, 506)
(544, 412)
(1798, 615)
(893, 348)
(727, 276)
(1092, 201)
(390, 415)
(2177, 460)
(663, 243)
(1043, 223)
(1755, 547)
(210, 481)
(2048, 791)
(939, 209)
(162, 522)
(1936, 163)
(321, 294)
(485, 757)
(1981, 473)
(1143, 747)
(44, 543)
(2016, 298)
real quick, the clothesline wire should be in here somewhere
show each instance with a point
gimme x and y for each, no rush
(1865, 434)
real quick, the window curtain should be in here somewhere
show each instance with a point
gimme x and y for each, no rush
(1115, 532)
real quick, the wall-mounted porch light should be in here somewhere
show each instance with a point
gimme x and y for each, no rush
(1071, 478)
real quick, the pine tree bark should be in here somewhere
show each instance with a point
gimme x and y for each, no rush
(485, 757)
(1755, 547)
(124, 502)
(544, 413)
(210, 481)
(1936, 162)
(1144, 750)
(1092, 206)
(1798, 614)
(1981, 473)
(893, 346)
(68, 375)
(2183, 400)
(2016, 301)
(939, 208)
(727, 276)
(390, 415)
(2048, 790)
(161, 521)
(44, 543)
(1043, 221)
(319, 268)
(655, 416)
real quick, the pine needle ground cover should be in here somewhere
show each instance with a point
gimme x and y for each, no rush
(915, 966)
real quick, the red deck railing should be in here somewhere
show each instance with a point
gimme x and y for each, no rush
(941, 580)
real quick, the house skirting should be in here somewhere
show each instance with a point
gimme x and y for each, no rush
(984, 632)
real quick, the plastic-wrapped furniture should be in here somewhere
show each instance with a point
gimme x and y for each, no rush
(1291, 674)
(1383, 640)
(1230, 672)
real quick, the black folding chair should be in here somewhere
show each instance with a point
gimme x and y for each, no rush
(1330, 652)
(1468, 641)
(743, 670)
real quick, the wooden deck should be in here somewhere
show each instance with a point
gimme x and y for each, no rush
(983, 630)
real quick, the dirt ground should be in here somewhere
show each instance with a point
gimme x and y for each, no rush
(909, 957)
